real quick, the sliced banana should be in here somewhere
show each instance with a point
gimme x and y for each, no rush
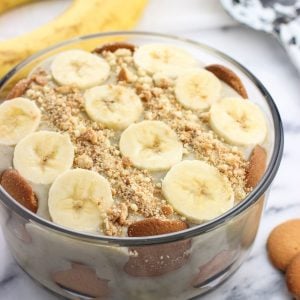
(167, 59)
(42, 156)
(152, 145)
(113, 106)
(197, 89)
(79, 198)
(238, 121)
(79, 68)
(18, 118)
(197, 190)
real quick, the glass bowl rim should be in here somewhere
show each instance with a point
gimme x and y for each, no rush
(257, 192)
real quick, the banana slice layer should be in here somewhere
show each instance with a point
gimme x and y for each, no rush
(240, 122)
(152, 145)
(79, 68)
(18, 118)
(78, 199)
(197, 89)
(42, 156)
(197, 190)
(163, 58)
(113, 106)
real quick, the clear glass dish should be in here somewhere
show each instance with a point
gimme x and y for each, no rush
(181, 265)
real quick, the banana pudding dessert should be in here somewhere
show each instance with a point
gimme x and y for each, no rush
(130, 140)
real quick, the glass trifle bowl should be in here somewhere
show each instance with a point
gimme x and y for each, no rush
(182, 264)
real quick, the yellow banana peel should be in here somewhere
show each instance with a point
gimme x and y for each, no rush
(6, 5)
(82, 17)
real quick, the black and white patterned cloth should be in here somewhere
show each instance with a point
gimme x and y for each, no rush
(279, 17)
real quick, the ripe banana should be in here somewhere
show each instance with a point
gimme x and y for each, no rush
(163, 58)
(197, 190)
(82, 17)
(79, 198)
(6, 5)
(41, 156)
(239, 122)
(152, 145)
(113, 106)
(80, 68)
(197, 89)
(18, 118)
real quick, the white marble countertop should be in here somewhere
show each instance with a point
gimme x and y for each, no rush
(203, 21)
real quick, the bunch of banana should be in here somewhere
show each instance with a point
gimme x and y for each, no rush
(82, 17)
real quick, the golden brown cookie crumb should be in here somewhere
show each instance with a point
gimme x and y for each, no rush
(123, 75)
(167, 210)
(84, 161)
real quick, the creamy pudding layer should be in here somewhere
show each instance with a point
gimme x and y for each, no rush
(167, 139)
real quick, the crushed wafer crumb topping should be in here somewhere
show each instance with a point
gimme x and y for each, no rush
(136, 192)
